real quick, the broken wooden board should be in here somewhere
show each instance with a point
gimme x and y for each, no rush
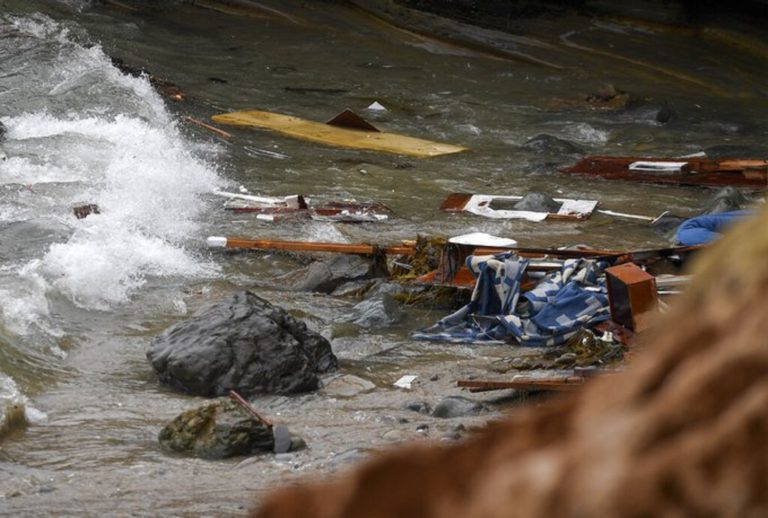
(296, 206)
(483, 205)
(250, 201)
(334, 135)
(678, 171)
(525, 383)
(305, 246)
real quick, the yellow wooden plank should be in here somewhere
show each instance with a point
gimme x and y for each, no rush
(335, 136)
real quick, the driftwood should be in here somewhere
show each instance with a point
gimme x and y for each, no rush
(684, 432)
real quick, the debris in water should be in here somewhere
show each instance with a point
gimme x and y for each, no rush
(345, 130)
(83, 211)
(405, 381)
(214, 129)
(375, 106)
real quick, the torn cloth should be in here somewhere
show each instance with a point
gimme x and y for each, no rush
(556, 309)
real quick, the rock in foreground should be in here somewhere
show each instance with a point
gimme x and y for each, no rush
(243, 343)
(216, 431)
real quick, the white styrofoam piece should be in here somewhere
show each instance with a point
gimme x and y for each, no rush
(482, 239)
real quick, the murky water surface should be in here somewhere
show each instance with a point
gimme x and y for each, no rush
(80, 299)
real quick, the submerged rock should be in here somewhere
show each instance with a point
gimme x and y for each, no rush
(421, 407)
(325, 276)
(216, 431)
(347, 386)
(725, 200)
(378, 311)
(457, 406)
(550, 145)
(667, 223)
(243, 343)
(537, 202)
(13, 420)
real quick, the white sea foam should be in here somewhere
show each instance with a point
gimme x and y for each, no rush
(586, 134)
(148, 187)
(111, 139)
(23, 301)
(11, 395)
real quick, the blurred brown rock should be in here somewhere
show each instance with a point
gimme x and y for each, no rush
(683, 433)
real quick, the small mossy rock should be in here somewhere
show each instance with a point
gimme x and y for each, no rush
(243, 343)
(216, 431)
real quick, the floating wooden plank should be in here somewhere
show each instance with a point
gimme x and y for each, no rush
(483, 205)
(689, 171)
(525, 383)
(338, 136)
(304, 246)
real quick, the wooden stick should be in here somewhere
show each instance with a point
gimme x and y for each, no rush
(304, 246)
(249, 408)
(214, 129)
(527, 383)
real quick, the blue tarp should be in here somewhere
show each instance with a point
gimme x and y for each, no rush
(561, 304)
(705, 229)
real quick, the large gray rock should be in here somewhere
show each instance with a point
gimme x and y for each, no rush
(243, 343)
(215, 431)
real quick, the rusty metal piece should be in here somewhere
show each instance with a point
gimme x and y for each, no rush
(525, 383)
(695, 171)
(83, 211)
(249, 408)
(632, 295)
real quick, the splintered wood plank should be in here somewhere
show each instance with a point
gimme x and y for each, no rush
(338, 136)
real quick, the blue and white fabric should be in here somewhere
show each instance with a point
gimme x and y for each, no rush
(560, 305)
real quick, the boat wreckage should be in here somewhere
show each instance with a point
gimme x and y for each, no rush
(679, 171)
(526, 295)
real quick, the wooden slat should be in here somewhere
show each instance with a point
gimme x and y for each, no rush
(303, 246)
(335, 136)
(557, 384)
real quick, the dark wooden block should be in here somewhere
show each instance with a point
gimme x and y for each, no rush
(632, 295)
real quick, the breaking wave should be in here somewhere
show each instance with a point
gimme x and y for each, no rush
(83, 132)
